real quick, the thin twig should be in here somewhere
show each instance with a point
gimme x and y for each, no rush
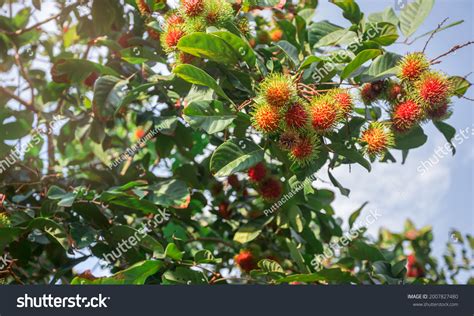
(12, 95)
(434, 32)
(455, 48)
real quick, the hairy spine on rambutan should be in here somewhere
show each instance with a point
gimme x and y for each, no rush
(288, 140)
(217, 12)
(394, 92)
(433, 89)
(367, 93)
(143, 7)
(171, 37)
(305, 150)
(343, 101)
(439, 113)
(406, 115)
(278, 89)
(412, 66)
(257, 173)
(192, 7)
(377, 138)
(296, 115)
(270, 189)
(265, 118)
(324, 114)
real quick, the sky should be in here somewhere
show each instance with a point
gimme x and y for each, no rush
(442, 195)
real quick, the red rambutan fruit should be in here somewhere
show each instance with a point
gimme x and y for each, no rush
(154, 34)
(367, 93)
(412, 66)
(185, 58)
(288, 140)
(377, 138)
(305, 150)
(171, 37)
(90, 80)
(258, 172)
(324, 114)
(139, 133)
(123, 40)
(414, 268)
(270, 189)
(343, 101)
(174, 19)
(278, 90)
(394, 92)
(276, 35)
(224, 210)
(265, 118)
(439, 113)
(192, 7)
(433, 89)
(245, 260)
(296, 116)
(406, 115)
(234, 182)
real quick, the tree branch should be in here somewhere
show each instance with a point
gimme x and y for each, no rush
(455, 48)
(434, 32)
(12, 95)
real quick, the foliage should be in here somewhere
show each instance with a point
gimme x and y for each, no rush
(163, 111)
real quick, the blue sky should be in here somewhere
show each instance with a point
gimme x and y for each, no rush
(441, 197)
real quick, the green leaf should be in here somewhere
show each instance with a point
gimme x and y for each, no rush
(92, 214)
(197, 76)
(308, 61)
(135, 275)
(336, 37)
(235, 155)
(8, 235)
(240, 46)
(351, 10)
(55, 192)
(382, 33)
(413, 15)
(460, 85)
(171, 193)
(290, 50)
(344, 191)
(173, 252)
(362, 251)
(382, 67)
(270, 266)
(360, 59)
(120, 233)
(108, 94)
(351, 154)
(296, 218)
(208, 46)
(353, 217)
(448, 131)
(21, 18)
(296, 255)
(184, 275)
(413, 139)
(332, 275)
(248, 232)
(386, 16)
(211, 116)
(318, 30)
(205, 256)
(53, 230)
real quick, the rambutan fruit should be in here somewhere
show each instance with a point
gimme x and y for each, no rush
(174, 18)
(234, 182)
(288, 140)
(90, 80)
(143, 7)
(412, 66)
(270, 189)
(216, 188)
(296, 115)
(139, 133)
(185, 58)
(432, 89)
(192, 8)
(394, 92)
(439, 113)
(276, 35)
(343, 101)
(258, 172)
(278, 89)
(377, 138)
(406, 115)
(195, 24)
(245, 260)
(265, 118)
(4, 221)
(243, 26)
(324, 114)
(217, 12)
(414, 268)
(171, 37)
(124, 39)
(56, 75)
(367, 93)
(224, 210)
(263, 37)
(154, 34)
(305, 150)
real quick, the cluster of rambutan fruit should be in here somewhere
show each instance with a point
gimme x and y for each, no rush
(419, 94)
(191, 16)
